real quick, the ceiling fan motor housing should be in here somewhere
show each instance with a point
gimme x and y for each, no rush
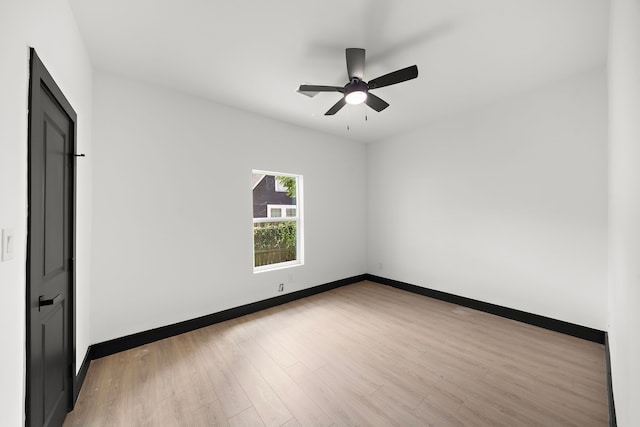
(355, 91)
(356, 84)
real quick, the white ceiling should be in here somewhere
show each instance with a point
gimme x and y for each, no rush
(253, 54)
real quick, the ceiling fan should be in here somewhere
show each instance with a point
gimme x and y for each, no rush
(357, 90)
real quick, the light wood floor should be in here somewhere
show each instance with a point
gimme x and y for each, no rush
(364, 354)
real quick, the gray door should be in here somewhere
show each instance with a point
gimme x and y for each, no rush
(50, 355)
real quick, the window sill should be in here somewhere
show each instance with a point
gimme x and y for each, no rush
(279, 266)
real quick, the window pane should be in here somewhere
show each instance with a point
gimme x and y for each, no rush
(274, 242)
(291, 213)
(265, 195)
(276, 213)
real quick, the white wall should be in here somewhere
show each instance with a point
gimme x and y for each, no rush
(624, 243)
(173, 206)
(50, 28)
(505, 205)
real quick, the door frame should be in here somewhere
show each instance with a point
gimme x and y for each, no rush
(40, 80)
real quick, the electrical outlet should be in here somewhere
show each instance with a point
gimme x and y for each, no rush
(281, 287)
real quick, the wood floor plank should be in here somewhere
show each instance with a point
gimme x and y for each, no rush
(247, 418)
(292, 423)
(303, 408)
(265, 401)
(344, 406)
(363, 354)
(263, 336)
(229, 391)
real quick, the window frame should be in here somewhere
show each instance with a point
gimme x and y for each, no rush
(298, 218)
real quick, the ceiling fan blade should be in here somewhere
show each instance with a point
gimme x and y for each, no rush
(316, 88)
(398, 76)
(309, 94)
(355, 62)
(375, 102)
(336, 107)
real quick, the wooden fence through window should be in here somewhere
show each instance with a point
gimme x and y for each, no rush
(274, 256)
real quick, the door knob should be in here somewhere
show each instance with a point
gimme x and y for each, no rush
(53, 301)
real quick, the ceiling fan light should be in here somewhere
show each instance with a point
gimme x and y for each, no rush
(356, 97)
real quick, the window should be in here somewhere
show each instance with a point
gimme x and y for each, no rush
(275, 211)
(279, 187)
(277, 220)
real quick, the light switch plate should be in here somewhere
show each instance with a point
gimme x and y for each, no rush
(8, 244)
